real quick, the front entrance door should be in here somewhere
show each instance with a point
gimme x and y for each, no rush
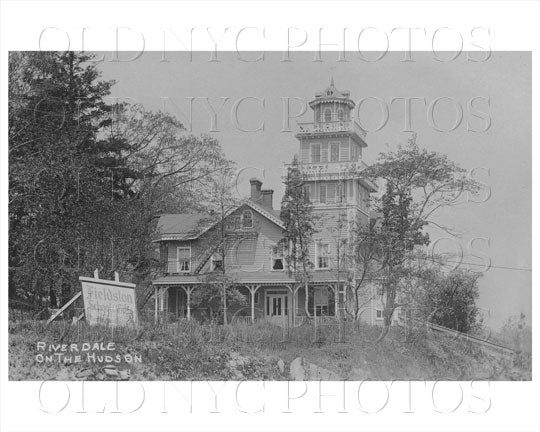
(276, 308)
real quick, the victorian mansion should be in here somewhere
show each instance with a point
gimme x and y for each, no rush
(330, 159)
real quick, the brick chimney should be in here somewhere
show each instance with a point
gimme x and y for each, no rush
(267, 198)
(255, 189)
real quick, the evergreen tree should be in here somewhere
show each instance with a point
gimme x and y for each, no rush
(297, 215)
(88, 179)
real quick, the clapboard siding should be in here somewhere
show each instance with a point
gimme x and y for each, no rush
(251, 252)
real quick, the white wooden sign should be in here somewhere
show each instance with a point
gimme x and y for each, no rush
(109, 302)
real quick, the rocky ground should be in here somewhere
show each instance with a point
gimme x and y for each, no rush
(195, 352)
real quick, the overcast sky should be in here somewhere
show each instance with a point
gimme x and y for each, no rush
(500, 156)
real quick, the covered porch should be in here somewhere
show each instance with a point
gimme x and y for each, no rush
(280, 303)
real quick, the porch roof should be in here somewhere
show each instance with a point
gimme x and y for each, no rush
(269, 278)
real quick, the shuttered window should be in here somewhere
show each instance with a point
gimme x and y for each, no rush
(324, 152)
(334, 152)
(315, 153)
(331, 193)
(322, 193)
(304, 152)
(343, 191)
(344, 152)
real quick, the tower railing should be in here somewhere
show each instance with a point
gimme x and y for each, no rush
(330, 126)
(349, 169)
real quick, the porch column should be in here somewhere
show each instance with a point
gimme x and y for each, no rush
(164, 292)
(252, 290)
(335, 288)
(293, 291)
(188, 290)
(224, 304)
(156, 295)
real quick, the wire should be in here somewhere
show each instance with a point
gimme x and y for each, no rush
(483, 265)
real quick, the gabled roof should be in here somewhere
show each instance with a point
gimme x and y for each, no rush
(182, 226)
(270, 214)
(190, 226)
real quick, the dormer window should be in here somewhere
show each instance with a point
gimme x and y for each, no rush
(247, 219)
(184, 259)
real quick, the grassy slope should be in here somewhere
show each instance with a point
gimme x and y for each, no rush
(186, 351)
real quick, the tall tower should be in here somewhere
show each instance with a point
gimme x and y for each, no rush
(330, 157)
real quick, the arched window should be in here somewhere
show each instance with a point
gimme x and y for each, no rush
(340, 114)
(327, 115)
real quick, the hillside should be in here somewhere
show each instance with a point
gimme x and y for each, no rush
(188, 350)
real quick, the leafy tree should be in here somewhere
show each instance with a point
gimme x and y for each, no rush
(218, 291)
(444, 298)
(88, 179)
(222, 240)
(451, 301)
(418, 183)
(56, 108)
(297, 215)
(365, 264)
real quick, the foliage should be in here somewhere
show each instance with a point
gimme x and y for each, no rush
(417, 183)
(187, 350)
(297, 216)
(89, 178)
(218, 288)
(444, 298)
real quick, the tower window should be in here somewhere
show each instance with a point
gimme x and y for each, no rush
(334, 152)
(324, 152)
(341, 114)
(327, 115)
(344, 152)
(331, 192)
(307, 191)
(315, 153)
(322, 193)
(304, 152)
